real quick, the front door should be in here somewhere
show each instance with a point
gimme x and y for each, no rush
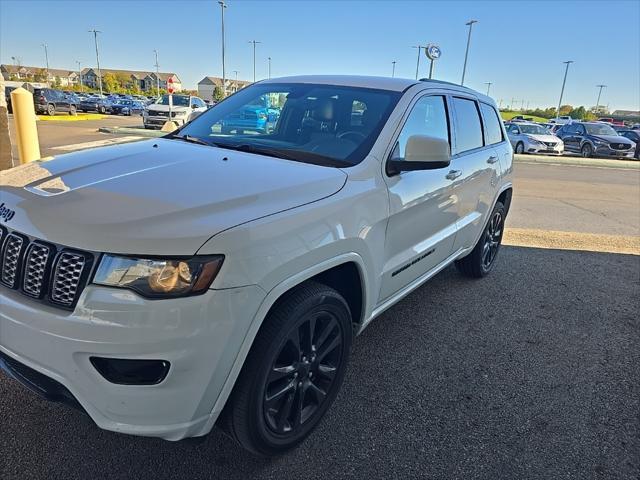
(423, 210)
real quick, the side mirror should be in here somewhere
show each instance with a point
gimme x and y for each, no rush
(193, 105)
(422, 152)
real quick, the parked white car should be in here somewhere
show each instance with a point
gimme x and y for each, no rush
(184, 108)
(533, 138)
(562, 119)
(166, 285)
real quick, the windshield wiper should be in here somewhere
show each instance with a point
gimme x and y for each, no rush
(288, 154)
(192, 139)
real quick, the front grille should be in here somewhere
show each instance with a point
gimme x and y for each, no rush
(159, 114)
(550, 144)
(11, 254)
(620, 146)
(51, 273)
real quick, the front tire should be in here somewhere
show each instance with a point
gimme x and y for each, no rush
(586, 151)
(519, 148)
(293, 371)
(51, 110)
(480, 261)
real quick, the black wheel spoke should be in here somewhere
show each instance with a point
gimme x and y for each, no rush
(318, 392)
(300, 405)
(327, 371)
(328, 347)
(276, 396)
(278, 373)
(328, 328)
(285, 412)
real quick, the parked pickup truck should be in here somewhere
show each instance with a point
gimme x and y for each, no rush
(205, 278)
(183, 109)
(259, 116)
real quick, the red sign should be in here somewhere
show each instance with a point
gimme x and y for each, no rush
(170, 88)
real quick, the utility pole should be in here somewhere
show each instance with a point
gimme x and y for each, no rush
(599, 93)
(393, 69)
(46, 58)
(513, 101)
(522, 104)
(157, 74)
(95, 38)
(224, 73)
(419, 47)
(79, 74)
(500, 105)
(254, 58)
(269, 58)
(564, 81)
(466, 53)
(488, 84)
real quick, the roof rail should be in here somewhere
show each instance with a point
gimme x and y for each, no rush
(444, 82)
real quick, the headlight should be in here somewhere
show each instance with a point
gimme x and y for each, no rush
(534, 141)
(158, 278)
(178, 114)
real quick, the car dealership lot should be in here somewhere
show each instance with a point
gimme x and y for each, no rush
(529, 373)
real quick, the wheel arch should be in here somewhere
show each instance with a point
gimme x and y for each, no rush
(339, 272)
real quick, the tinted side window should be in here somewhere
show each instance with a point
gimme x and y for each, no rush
(428, 117)
(581, 130)
(468, 126)
(492, 128)
(569, 129)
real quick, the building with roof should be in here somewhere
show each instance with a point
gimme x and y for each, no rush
(144, 80)
(56, 76)
(207, 86)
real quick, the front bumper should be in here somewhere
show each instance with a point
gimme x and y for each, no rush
(153, 121)
(200, 337)
(606, 151)
(557, 149)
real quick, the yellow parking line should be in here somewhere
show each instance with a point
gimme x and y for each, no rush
(525, 237)
(71, 118)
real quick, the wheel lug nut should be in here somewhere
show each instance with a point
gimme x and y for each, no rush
(299, 384)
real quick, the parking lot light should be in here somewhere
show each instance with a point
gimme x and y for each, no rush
(488, 84)
(466, 53)
(393, 69)
(254, 42)
(564, 81)
(224, 73)
(95, 38)
(419, 47)
(46, 58)
(599, 93)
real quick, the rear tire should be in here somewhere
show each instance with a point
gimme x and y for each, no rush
(520, 148)
(480, 261)
(292, 373)
(72, 110)
(586, 151)
(51, 110)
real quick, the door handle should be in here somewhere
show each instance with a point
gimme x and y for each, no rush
(492, 159)
(453, 174)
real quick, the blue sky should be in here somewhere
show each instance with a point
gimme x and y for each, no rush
(517, 45)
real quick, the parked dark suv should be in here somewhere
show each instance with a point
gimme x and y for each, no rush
(50, 101)
(597, 139)
(634, 136)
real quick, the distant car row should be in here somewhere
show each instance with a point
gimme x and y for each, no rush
(589, 139)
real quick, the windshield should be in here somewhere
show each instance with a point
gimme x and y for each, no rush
(599, 129)
(322, 124)
(178, 100)
(533, 129)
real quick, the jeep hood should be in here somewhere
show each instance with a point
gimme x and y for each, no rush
(156, 197)
(165, 108)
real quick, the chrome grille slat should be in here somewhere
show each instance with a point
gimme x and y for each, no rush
(11, 260)
(45, 272)
(35, 264)
(66, 278)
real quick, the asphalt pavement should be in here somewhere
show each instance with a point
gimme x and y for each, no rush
(531, 373)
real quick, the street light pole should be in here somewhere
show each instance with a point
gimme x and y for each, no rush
(466, 53)
(254, 58)
(393, 69)
(46, 58)
(269, 58)
(224, 73)
(157, 74)
(95, 38)
(599, 93)
(488, 84)
(79, 73)
(564, 81)
(419, 47)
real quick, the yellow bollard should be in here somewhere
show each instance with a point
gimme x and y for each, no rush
(24, 117)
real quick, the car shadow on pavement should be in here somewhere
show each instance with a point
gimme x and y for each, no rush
(532, 372)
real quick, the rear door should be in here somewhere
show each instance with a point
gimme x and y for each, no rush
(475, 162)
(422, 204)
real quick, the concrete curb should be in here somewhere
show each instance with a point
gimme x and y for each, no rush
(578, 161)
(141, 132)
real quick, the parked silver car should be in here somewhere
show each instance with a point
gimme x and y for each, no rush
(533, 138)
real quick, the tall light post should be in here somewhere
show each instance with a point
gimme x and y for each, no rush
(46, 58)
(95, 38)
(269, 58)
(79, 74)
(599, 93)
(419, 47)
(488, 84)
(254, 42)
(393, 69)
(564, 81)
(224, 73)
(157, 65)
(466, 53)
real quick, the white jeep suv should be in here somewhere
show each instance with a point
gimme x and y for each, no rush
(167, 285)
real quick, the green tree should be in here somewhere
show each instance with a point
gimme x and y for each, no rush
(40, 75)
(578, 113)
(218, 94)
(565, 109)
(110, 82)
